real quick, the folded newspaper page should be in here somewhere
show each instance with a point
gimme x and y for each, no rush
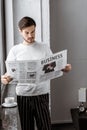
(36, 71)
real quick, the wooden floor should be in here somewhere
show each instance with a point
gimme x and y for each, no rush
(63, 127)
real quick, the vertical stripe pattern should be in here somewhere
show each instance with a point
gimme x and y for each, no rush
(34, 108)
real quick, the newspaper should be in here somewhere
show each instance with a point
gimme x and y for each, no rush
(36, 71)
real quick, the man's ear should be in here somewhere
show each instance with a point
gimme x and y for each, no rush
(19, 30)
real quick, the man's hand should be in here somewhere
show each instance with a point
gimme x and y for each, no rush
(5, 79)
(67, 68)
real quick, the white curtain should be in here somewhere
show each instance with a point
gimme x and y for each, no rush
(2, 37)
(2, 46)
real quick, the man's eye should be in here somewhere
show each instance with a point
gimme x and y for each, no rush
(33, 31)
(27, 33)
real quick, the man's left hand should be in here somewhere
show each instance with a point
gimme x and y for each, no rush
(67, 68)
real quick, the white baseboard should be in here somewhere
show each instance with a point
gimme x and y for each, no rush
(61, 121)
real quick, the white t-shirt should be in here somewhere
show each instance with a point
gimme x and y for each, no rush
(34, 51)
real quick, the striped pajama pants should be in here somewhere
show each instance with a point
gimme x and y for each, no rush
(34, 109)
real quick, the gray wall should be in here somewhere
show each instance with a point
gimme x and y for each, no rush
(68, 30)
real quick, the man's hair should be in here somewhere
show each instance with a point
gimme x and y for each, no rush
(26, 22)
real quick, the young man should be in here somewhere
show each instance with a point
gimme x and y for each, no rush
(33, 101)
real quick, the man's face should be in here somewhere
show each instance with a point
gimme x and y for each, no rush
(28, 34)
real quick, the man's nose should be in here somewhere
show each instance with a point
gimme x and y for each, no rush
(30, 35)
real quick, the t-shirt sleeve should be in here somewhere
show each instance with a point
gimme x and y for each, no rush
(48, 51)
(11, 56)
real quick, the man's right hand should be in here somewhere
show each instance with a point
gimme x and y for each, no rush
(5, 79)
